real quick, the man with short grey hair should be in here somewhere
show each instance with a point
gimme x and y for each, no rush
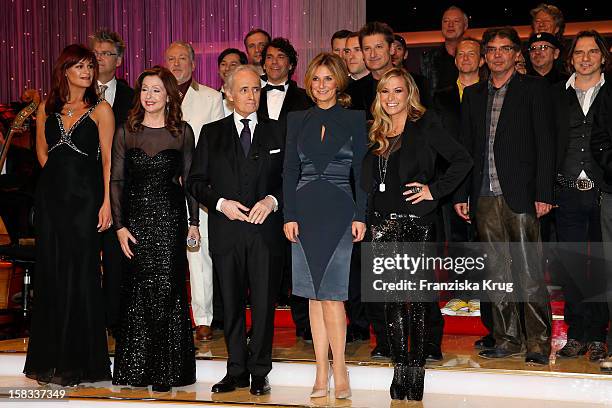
(200, 105)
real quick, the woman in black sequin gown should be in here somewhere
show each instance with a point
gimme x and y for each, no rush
(151, 158)
(400, 175)
(74, 133)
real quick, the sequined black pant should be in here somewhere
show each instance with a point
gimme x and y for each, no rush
(405, 321)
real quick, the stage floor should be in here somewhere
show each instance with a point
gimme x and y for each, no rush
(458, 353)
(293, 373)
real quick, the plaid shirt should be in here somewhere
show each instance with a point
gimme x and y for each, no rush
(495, 102)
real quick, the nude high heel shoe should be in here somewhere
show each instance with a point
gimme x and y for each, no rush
(345, 393)
(322, 392)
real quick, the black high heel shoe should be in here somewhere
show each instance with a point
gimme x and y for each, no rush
(415, 383)
(398, 390)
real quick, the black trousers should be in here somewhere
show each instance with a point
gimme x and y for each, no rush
(113, 264)
(582, 277)
(248, 267)
(496, 222)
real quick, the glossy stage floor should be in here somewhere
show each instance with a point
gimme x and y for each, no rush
(462, 379)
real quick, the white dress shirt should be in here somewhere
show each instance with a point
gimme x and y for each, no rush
(111, 91)
(275, 99)
(239, 126)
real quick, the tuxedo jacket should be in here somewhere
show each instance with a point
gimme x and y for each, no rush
(524, 143)
(201, 105)
(124, 100)
(217, 171)
(295, 100)
(424, 143)
(601, 136)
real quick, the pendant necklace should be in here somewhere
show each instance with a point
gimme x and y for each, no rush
(383, 164)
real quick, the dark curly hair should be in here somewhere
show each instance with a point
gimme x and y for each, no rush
(60, 91)
(285, 46)
(174, 115)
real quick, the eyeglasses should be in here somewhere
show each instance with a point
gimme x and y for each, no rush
(542, 47)
(504, 49)
(105, 54)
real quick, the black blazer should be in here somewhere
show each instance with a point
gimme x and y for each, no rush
(295, 100)
(124, 99)
(562, 98)
(439, 69)
(423, 143)
(601, 136)
(215, 174)
(524, 143)
(447, 105)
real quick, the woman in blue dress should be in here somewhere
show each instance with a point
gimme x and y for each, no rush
(322, 220)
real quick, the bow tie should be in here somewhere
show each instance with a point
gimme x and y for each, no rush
(269, 87)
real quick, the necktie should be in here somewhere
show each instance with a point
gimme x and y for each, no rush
(245, 136)
(102, 90)
(269, 87)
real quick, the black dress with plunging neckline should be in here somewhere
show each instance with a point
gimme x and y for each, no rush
(68, 338)
(154, 341)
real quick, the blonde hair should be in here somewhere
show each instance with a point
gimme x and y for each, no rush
(338, 70)
(382, 126)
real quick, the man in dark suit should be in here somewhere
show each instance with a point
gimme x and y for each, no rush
(447, 103)
(438, 65)
(236, 173)
(507, 127)
(279, 96)
(376, 42)
(109, 49)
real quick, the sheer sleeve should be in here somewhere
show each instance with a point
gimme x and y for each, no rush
(188, 150)
(117, 179)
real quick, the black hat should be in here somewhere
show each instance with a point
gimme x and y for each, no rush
(549, 38)
(400, 39)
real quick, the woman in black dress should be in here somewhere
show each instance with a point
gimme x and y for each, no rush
(151, 159)
(400, 175)
(324, 144)
(74, 132)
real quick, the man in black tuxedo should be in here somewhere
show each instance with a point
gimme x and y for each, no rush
(236, 172)
(279, 96)
(507, 127)
(109, 48)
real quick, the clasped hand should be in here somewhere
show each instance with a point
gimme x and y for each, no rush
(235, 211)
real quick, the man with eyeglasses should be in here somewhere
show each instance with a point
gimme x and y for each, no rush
(544, 50)
(506, 125)
(200, 105)
(108, 46)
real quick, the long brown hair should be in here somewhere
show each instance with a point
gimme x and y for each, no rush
(338, 70)
(382, 125)
(173, 112)
(60, 90)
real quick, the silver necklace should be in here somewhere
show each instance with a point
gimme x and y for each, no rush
(70, 113)
(383, 163)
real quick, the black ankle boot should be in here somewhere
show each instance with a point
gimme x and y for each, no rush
(398, 385)
(415, 382)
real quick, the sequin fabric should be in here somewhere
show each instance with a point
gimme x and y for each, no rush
(155, 342)
(405, 321)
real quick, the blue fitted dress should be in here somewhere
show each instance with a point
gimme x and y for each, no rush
(319, 197)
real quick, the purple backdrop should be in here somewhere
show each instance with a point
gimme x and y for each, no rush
(33, 32)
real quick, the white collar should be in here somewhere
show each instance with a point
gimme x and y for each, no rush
(239, 125)
(110, 84)
(572, 81)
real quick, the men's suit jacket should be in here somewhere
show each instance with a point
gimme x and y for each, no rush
(447, 105)
(216, 173)
(601, 136)
(524, 143)
(438, 68)
(124, 100)
(201, 105)
(295, 100)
